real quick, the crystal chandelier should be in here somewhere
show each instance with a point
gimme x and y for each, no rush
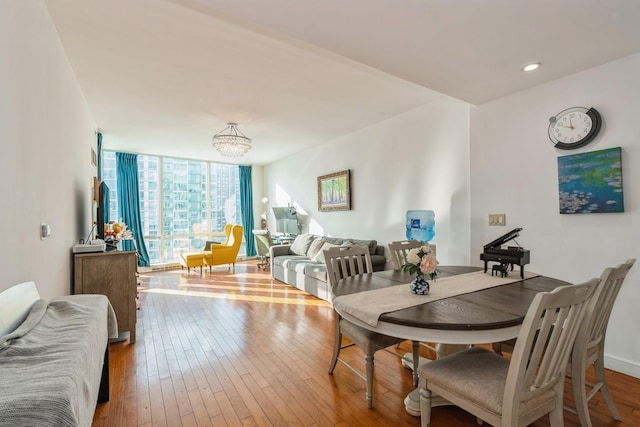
(230, 142)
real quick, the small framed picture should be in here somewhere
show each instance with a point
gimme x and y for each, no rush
(334, 192)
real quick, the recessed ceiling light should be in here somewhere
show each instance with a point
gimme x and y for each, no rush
(531, 67)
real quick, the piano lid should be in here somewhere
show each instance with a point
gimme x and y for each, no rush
(504, 239)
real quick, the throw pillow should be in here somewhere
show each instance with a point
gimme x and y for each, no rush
(314, 248)
(320, 255)
(301, 244)
(371, 244)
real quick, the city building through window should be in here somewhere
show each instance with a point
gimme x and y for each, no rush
(183, 203)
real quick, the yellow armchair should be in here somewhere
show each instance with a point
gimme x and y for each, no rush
(227, 252)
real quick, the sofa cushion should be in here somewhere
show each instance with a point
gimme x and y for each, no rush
(371, 244)
(301, 244)
(320, 255)
(288, 261)
(316, 270)
(314, 248)
(333, 240)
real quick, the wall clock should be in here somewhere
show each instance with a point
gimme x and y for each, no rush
(574, 127)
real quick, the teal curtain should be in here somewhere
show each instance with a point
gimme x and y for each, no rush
(99, 156)
(129, 201)
(246, 207)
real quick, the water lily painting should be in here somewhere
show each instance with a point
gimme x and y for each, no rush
(591, 182)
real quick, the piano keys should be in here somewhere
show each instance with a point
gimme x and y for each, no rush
(512, 255)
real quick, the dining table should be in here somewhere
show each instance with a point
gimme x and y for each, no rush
(464, 306)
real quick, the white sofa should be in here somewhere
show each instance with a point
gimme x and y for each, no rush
(301, 264)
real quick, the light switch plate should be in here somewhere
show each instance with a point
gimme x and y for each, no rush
(497, 219)
(45, 231)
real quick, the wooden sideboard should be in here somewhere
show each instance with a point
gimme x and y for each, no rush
(112, 274)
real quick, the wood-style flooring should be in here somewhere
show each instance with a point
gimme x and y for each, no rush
(246, 350)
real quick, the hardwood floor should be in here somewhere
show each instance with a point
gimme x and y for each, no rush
(246, 350)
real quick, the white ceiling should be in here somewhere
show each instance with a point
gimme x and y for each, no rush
(163, 76)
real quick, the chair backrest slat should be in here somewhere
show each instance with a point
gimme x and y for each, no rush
(347, 261)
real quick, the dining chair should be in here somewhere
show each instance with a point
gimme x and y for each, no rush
(400, 249)
(343, 262)
(590, 349)
(519, 391)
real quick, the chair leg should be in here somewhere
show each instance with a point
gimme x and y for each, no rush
(425, 407)
(337, 344)
(368, 360)
(602, 379)
(556, 416)
(578, 380)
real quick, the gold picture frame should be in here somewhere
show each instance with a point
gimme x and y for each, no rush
(334, 192)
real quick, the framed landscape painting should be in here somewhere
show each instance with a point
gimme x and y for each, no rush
(334, 192)
(591, 182)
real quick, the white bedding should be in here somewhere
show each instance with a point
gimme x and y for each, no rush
(51, 365)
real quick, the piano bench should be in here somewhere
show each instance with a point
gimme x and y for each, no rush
(503, 269)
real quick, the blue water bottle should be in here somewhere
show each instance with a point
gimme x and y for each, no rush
(420, 225)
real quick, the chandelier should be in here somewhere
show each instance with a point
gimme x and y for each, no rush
(230, 142)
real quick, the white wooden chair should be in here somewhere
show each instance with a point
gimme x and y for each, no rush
(348, 261)
(590, 349)
(531, 384)
(399, 250)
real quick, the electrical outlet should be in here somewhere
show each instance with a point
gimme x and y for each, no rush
(497, 219)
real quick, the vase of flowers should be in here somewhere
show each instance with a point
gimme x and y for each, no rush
(114, 233)
(422, 262)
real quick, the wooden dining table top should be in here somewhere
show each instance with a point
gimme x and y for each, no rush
(499, 307)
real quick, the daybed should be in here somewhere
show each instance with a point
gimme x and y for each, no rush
(53, 357)
(301, 264)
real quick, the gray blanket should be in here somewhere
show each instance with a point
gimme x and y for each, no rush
(51, 365)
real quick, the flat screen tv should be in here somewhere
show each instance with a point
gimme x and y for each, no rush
(102, 216)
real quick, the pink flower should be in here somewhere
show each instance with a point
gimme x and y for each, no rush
(428, 264)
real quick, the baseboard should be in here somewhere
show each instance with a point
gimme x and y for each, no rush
(161, 267)
(620, 365)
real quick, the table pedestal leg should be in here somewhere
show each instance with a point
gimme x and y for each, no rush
(412, 402)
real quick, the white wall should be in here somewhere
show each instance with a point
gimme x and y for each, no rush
(418, 160)
(46, 132)
(514, 171)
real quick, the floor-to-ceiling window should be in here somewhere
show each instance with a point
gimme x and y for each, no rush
(183, 202)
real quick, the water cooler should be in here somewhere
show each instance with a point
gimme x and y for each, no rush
(420, 225)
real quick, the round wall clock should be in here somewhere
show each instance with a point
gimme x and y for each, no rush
(574, 127)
